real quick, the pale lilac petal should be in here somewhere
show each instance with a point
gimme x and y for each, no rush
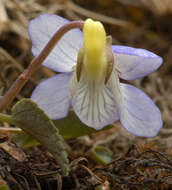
(133, 63)
(93, 104)
(138, 114)
(64, 55)
(52, 95)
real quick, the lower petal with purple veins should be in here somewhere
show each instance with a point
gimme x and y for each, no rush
(93, 103)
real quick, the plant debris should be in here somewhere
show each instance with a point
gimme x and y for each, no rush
(150, 169)
(137, 163)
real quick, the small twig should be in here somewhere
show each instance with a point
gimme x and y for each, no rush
(3, 15)
(91, 173)
(59, 181)
(14, 181)
(4, 84)
(76, 181)
(13, 63)
(10, 129)
(25, 181)
(97, 16)
(35, 64)
(158, 154)
(9, 58)
(152, 163)
(37, 183)
(18, 29)
(75, 162)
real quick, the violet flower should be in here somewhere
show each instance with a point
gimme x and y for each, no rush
(89, 81)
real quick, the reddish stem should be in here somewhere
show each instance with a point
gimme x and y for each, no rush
(35, 64)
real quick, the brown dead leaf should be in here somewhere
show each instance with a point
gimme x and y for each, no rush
(13, 151)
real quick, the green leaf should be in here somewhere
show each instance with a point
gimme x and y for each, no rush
(71, 127)
(24, 140)
(101, 155)
(4, 187)
(29, 117)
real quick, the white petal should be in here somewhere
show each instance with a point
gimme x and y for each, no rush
(138, 114)
(52, 95)
(133, 63)
(64, 55)
(93, 104)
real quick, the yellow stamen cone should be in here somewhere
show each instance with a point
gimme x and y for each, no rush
(94, 46)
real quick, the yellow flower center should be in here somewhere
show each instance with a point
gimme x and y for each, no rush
(94, 48)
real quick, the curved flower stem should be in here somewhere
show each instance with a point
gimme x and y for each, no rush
(35, 64)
